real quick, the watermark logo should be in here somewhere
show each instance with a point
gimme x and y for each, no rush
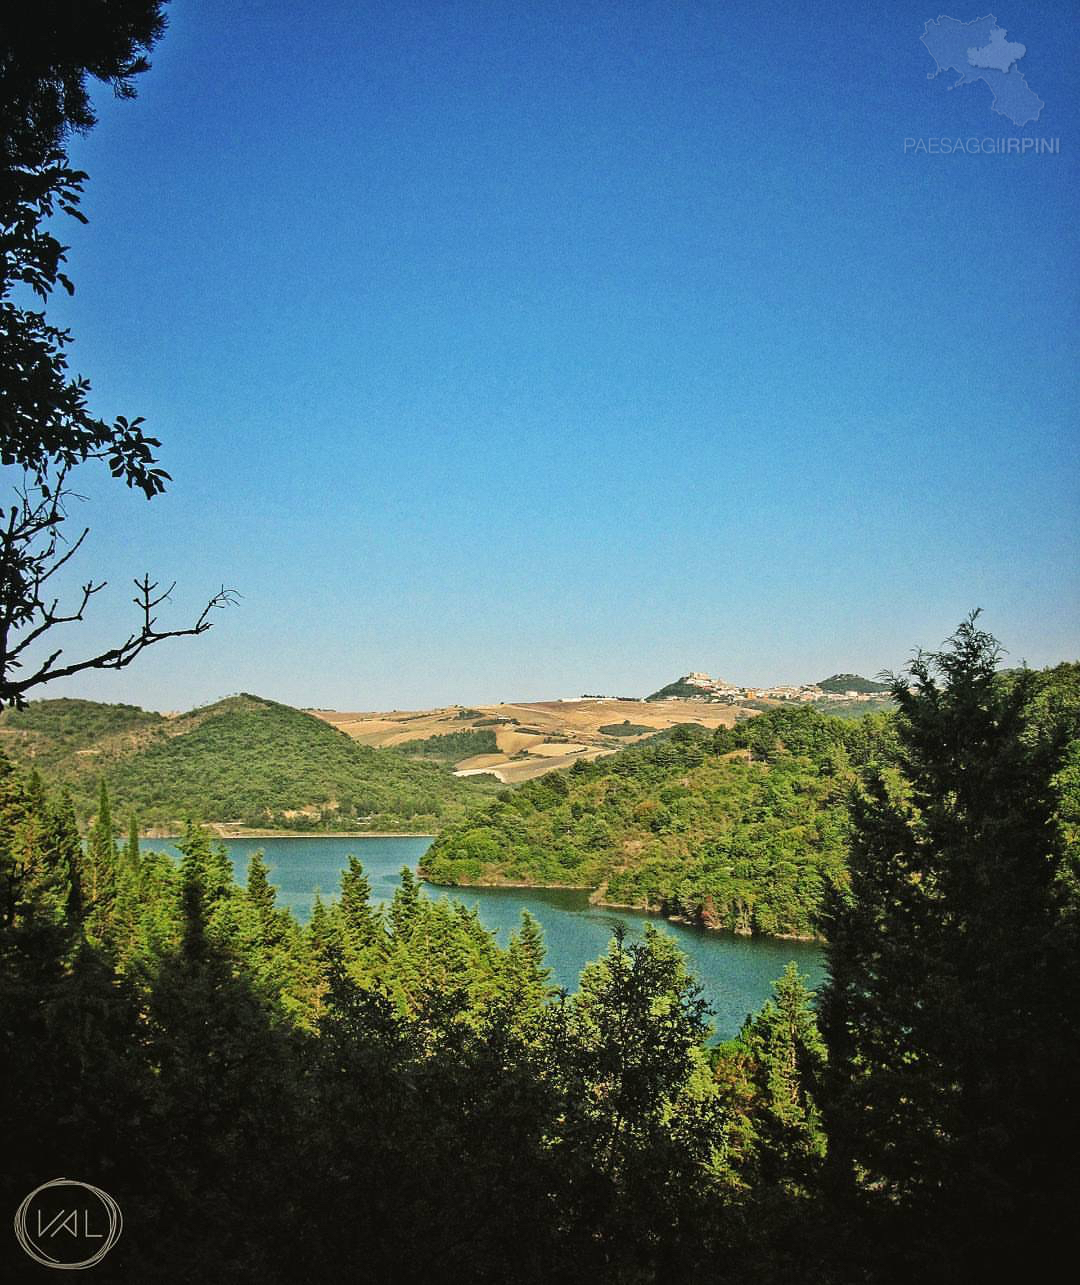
(977, 51)
(67, 1224)
(980, 51)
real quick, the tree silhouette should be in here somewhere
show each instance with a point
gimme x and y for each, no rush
(952, 1009)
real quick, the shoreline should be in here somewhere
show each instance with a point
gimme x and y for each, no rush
(594, 900)
(477, 883)
(221, 832)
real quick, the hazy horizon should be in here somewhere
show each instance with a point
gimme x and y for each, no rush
(608, 690)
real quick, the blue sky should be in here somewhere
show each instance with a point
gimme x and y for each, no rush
(509, 351)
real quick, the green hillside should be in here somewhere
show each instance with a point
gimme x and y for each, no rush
(680, 689)
(245, 760)
(851, 683)
(854, 708)
(50, 731)
(744, 828)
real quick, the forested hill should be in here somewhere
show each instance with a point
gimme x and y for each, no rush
(851, 683)
(742, 828)
(244, 759)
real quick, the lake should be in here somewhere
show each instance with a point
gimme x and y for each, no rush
(736, 973)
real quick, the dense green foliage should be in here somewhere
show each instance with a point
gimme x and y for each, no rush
(386, 1095)
(851, 683)
(625, 728)
(450, 747)
(51, 729)
(244, 760)
(855, 708)
(742, 828)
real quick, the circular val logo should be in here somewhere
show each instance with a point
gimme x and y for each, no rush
(67, 1224)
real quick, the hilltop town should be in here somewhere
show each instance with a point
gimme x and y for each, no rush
(840, 687)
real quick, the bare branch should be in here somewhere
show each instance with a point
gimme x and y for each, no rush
(13, 692)
(50, 617)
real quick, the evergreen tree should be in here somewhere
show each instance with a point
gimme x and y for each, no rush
(272, 926)
(952, 1012)
(260, 892)
(637, 1134)
(636, 1018)
(324, 935)
(64, 846)
(788, 1059)
(219, 1131)
(528, 976)
(99, 879)
(132, 852)
(207, 862)
(360, 926)
(404, 909)
(194, 849)
(129, 897)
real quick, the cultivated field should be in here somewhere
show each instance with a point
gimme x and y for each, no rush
(531, 738)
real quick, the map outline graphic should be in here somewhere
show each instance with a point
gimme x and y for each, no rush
(979, 50)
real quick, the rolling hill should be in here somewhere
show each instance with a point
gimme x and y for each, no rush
(851, 683)
(243, 761)
(519, 742)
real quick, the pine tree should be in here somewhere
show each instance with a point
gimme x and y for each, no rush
(324, 934)
(404, 908)
(788, 1059)
(36, 800)
(261, 896)
(220, 876)
(528, 975)
(195, 854)
(360, 926)
(260, 892)
(207, 862)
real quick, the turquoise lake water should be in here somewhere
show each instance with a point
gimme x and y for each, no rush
(736, 973)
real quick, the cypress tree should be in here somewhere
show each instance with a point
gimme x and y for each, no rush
(64, 846)
(100, 877)
(132, 852)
